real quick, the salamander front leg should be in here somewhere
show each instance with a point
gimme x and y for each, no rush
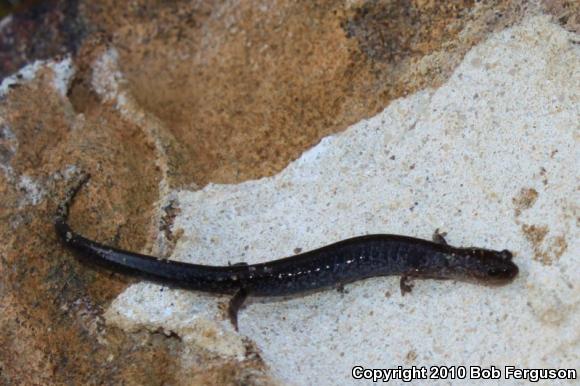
(235, 304)
(406, 285)
(439, 238)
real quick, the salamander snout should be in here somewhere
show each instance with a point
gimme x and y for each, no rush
(503, 273)
(504, 269)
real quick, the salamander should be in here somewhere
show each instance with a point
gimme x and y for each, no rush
(331, 266)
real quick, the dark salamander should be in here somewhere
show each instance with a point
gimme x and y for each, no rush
(330, 266)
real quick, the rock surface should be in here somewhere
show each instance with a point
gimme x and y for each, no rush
(490, 157)
(156, 97)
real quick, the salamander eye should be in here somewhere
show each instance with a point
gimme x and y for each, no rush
(506, 255)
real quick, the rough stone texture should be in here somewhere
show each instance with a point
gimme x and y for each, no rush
(280, 76)
(159, 95)
(565, 12)
(473, 158)
(38, 29)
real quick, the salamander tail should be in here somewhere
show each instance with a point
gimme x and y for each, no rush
(61, 218)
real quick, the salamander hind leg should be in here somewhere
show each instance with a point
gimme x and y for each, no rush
(439, 238)
(340, 288)
(235, 304)
(406, 285)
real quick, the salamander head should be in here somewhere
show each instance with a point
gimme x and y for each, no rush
(483, 265)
